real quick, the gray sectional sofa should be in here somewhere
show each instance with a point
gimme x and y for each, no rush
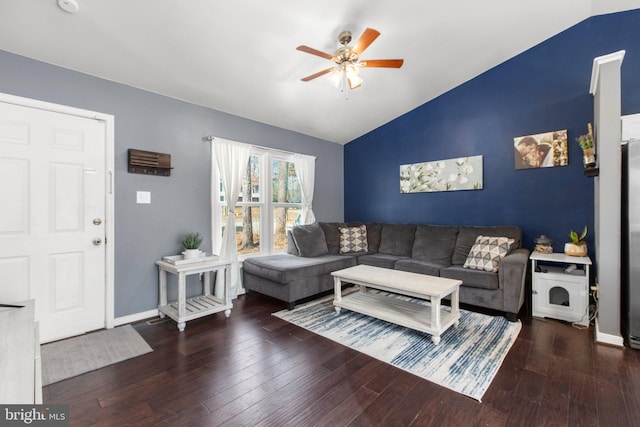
(314, 251)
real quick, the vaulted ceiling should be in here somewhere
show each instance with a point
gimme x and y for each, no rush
(240, 56)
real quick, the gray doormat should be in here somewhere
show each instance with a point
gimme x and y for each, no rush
(78, 355)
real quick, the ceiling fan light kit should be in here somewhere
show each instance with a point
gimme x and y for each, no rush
(348, 61)
(69, 6)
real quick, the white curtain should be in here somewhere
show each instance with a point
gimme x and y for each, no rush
(306, 171)
(232, 158)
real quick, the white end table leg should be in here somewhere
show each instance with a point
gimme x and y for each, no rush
(206, 285)
(227, 285)
(181, 326)
(337, 293)
(182, 294)
(435, 339)
(162, 278)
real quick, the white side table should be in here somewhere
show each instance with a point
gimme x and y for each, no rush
(558, 294)
(185, 309)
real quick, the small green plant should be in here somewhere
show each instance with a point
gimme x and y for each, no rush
(578, 239)
(585, 141)
(192, 241)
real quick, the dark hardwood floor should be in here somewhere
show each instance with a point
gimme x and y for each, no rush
(254, 369)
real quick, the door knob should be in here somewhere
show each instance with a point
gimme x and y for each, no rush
(97, 241)
(97, 221)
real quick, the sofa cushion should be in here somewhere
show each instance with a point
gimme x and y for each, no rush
(353, 239)
(291, 245)
(331, 236)
(434, 243)
(467, 236)
(487, 252)
(380, 260)
(374, 231)
(285, 268)
(420, 266)
(309, 240)
(472, 278)
(397, 239)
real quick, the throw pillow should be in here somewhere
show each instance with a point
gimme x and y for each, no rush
(309, 240)
(486, 253)
(353, 239)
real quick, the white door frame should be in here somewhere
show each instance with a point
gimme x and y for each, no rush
(109, 122)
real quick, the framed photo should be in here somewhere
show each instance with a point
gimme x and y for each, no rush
(543, 150)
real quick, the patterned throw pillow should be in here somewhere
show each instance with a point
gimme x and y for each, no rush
(353, 239)
(486, 253)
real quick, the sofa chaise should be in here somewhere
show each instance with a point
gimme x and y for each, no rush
(489, 260)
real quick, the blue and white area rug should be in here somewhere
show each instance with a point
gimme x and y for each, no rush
(466, 360)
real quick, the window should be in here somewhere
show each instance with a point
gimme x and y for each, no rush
(268, 205)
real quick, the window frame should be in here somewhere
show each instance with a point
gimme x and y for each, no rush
(265, 204)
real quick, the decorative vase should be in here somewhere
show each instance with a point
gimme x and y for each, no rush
(573, 249)
(588, 157)
(543, 244)
(191, 253)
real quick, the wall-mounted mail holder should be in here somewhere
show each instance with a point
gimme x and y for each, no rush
(149, 162)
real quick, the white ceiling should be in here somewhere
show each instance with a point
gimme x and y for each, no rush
(240, 56)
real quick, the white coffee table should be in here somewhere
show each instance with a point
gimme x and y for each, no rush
(432, 318)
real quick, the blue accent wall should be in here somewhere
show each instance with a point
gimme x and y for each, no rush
(546, 88)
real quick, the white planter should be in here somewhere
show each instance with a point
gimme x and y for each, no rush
(191, 253)
(572, 249)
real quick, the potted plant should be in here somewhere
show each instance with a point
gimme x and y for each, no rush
(588, 150)
(191, 243)
(577, 246)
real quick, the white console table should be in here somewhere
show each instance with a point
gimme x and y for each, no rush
(185, 309)
(20, 367)
(558, 294)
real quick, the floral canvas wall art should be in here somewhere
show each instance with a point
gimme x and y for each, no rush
(464, 173)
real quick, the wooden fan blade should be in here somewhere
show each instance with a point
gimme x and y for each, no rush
(365, 40)
(313, 51)
(382, 63)
(318, 74)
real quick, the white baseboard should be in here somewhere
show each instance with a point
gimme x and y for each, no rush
(132, 318)
(135, 317)
(608, 338)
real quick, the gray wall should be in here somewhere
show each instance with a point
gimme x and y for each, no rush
(181, 202)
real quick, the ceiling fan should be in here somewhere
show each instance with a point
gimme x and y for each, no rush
(348, 61)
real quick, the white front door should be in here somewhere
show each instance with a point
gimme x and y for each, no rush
(52, 217)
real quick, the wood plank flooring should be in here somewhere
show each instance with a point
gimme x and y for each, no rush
(254, 369)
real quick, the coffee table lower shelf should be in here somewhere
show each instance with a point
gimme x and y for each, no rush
(403, 313)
